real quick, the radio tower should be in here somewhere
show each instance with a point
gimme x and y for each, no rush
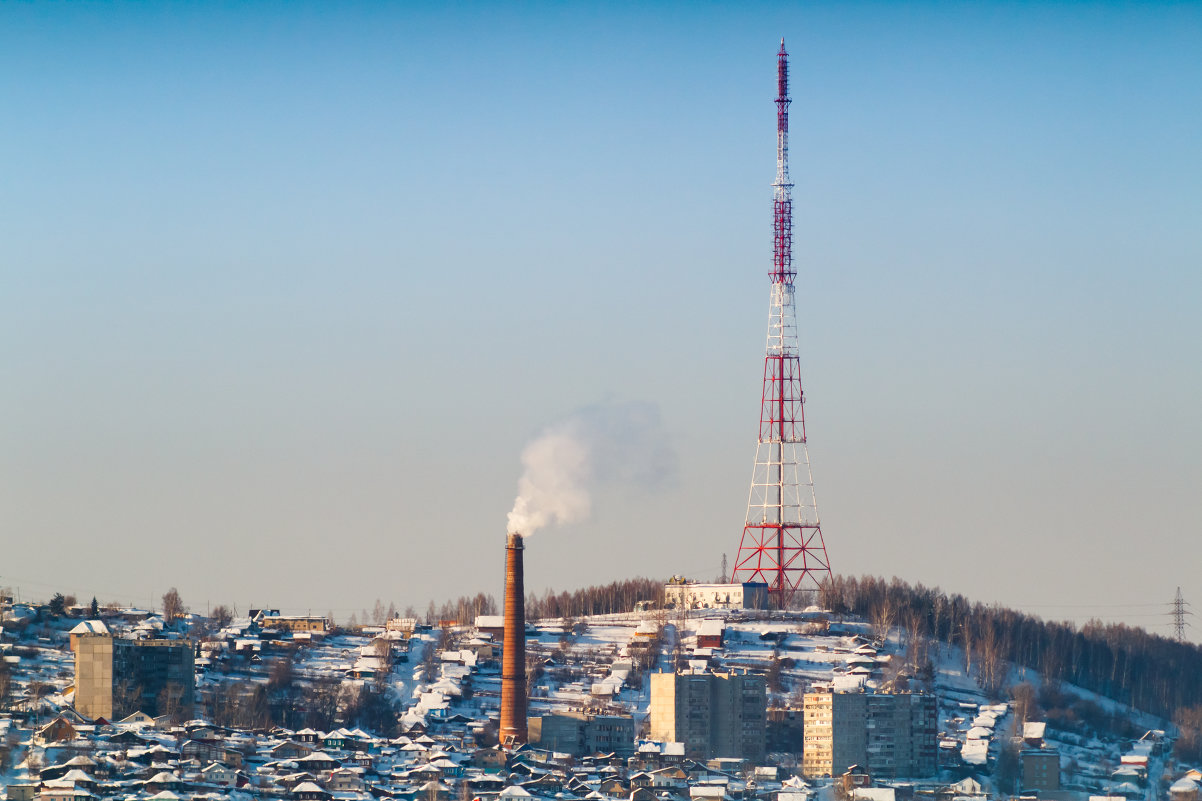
(782, 539)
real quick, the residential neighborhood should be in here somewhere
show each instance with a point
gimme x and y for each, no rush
(298, 707)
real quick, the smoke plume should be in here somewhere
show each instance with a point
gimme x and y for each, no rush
(605, 444)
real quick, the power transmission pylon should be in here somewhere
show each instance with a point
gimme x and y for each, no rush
(1179, 612)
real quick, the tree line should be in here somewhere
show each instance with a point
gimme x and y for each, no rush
(606, 599)
(615, 597)
(1129, 664)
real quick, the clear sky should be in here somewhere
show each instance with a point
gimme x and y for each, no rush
(286, 287)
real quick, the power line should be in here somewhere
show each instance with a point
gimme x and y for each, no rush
(1085, 606)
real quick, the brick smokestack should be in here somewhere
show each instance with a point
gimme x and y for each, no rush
(513, 660)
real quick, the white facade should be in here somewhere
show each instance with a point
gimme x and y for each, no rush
(750, 595)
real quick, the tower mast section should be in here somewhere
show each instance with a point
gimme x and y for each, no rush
(782, 542)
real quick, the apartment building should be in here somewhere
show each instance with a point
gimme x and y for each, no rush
(1040, 769)
(890, 735)
(115, 677)
(583, 733)
(714, 714)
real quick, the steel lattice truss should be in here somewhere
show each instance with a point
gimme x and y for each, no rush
(782, 541)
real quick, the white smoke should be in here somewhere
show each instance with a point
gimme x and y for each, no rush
(609, 443)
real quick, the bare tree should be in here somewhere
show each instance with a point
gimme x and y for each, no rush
(220, 616)
(6, 683)
(282, 674)
(37, 691)
(1025, 706)
(173, 605)
(534, 672)
(882, 617)
(171, 702)
(127, 698)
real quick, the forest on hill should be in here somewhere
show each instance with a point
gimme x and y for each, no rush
(1128, 664)
(1125, 663)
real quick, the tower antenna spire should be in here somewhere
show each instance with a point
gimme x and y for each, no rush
(782, 542)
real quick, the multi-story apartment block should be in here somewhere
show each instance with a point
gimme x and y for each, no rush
(115, 678)
(888, 735)
(712, 714)
(582, 733)
(786, 730)
(1040, 769)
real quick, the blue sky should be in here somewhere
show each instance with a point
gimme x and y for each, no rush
(285, 288)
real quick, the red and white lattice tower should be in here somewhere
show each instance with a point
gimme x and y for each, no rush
(782, 540)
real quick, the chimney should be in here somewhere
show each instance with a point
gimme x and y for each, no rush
(513, 660)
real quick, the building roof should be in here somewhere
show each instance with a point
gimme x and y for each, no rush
(90, 627)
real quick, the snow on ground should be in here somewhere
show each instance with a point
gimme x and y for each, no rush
(590, 664)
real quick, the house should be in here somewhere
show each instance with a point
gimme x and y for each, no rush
(1033, 733)
(203, 750)
(492, 625)
(220, 775)
(59, 771)
(22, 791)
(137, 719)
(308, 791)
(671, 776)
(51, 791)
(290, 749)
(710, 633)
(163, 780)
(794, 789)
(854, 777)
(1184, 789)
(308, 736)
(344, 780)
(614, 788)
(873, 794)
(486, 785)
(489, 759)
(318, 761)
(965, 788)
(79, 779)
(56, 731)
